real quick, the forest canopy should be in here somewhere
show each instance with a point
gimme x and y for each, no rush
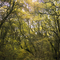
(29, 29)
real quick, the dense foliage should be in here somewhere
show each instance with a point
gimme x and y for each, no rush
(30, 30)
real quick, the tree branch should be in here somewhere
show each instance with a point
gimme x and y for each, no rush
(4, 19)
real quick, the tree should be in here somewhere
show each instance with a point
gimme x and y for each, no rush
(51, 12)
(27, 28)
(9, 8)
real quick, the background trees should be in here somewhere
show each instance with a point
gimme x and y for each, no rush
(29, 30)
